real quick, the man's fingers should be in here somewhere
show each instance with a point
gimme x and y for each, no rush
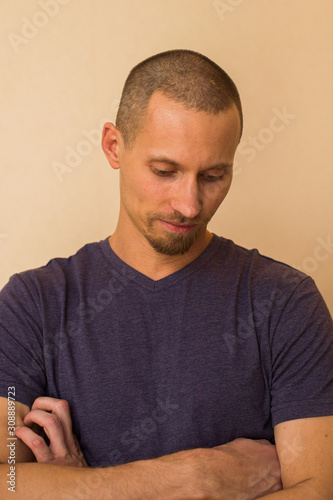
(36, 443)
(50, 404)
(52, 426)
(53, 416)
(59, 407)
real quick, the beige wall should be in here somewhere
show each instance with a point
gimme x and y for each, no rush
(63, 64)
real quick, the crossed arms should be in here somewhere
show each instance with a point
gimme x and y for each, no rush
(241, 470)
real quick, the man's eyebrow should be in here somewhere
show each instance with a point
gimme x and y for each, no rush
(173, 163)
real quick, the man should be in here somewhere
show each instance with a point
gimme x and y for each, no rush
(188, 366)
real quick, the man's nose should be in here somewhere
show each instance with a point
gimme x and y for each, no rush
(187, 198)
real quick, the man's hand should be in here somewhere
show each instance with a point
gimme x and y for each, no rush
(243, 469)
(258, 466)
(54, 417)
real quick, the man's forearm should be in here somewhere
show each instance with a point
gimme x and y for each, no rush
(36, 481)
(223, 472)
(135, 481)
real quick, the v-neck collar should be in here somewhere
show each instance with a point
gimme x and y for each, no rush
(144, 281)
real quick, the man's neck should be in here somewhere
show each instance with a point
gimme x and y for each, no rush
(139, 254)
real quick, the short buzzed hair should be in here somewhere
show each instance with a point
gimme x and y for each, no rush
(182, 75)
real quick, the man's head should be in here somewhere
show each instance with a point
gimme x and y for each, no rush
(177, 130)
(182, 75)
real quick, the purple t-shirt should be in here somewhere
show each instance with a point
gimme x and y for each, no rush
(226, 347)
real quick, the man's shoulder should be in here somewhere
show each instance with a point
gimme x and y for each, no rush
(59, 271)
(255, 268)
(252, 257)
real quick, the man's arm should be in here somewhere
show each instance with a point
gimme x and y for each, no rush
(22, 452)
(243, 468)
(305, 451)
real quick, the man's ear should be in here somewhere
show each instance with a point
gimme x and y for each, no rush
(112, 142)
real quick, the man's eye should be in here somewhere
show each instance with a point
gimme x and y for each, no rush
(212, 178)
(162, 173)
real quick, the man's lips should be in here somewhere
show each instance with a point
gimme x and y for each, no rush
(177, 226)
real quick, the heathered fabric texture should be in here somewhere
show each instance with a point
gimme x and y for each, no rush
(226, 347)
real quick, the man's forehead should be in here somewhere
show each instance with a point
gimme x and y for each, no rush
(163, 109)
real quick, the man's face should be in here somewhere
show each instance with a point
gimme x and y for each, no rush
(177, 173)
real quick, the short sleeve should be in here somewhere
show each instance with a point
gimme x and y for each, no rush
(21, 343)
(302, 357)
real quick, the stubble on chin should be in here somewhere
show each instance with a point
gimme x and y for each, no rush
(168, 243)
